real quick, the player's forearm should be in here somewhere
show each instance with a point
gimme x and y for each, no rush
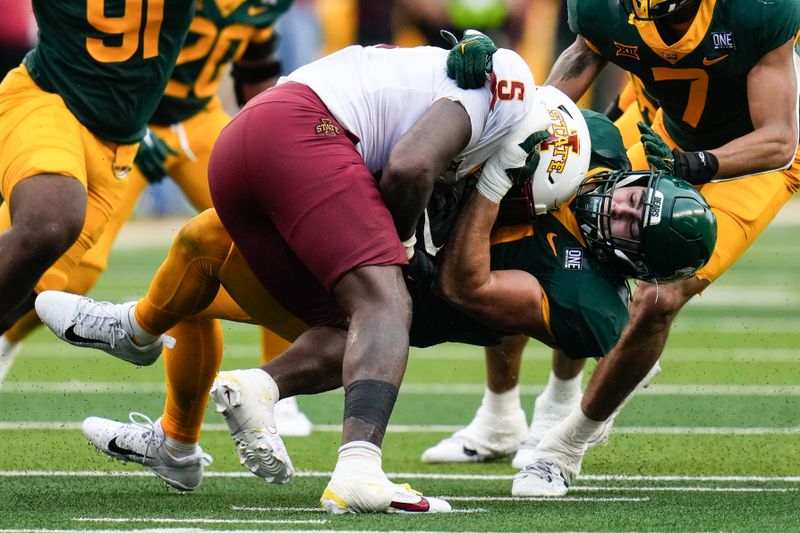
(575, 69)
(760, 151)
(465, 268)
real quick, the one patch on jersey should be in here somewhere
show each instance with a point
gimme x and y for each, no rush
(573, 258)
(723, 40)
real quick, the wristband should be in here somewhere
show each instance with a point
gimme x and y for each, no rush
(695, 167)
(408, 244)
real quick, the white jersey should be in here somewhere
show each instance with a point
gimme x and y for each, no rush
(378, 93)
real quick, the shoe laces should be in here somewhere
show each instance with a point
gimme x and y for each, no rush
(543, 469)
(90, 314)
(153, 440)
(145, 422)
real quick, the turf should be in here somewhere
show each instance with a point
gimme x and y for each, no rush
(712, 446)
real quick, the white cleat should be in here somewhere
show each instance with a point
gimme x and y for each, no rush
(248, 410)
(376, 494)
(291, 421)
(543, 477)
(546, 414)
(142, 441)
(84, 322)
(488, 437)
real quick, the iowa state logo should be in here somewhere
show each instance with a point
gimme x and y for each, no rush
(327, 127)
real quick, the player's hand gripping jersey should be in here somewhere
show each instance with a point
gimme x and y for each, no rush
(109, 59)
(378, 93)
(700, 81)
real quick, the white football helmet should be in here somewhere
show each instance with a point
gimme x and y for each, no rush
(564, 156)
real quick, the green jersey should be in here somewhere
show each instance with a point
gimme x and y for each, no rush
(219, 34)
(587, 301)
(109, 59)
(700, 81)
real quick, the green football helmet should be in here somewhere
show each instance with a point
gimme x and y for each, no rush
(676, 234)
(654, 9)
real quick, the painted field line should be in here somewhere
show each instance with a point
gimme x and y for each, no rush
(450, 428)
(96, 387)
(200, 530)
(546, 499)
(622, 488)
(414, 475)
(319, 509)
(195, 520)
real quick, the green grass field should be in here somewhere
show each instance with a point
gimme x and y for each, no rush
(713, 445)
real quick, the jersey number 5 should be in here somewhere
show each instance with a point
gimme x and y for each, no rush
(128, 27)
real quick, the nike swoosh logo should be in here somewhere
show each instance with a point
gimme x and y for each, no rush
(708, 62)
(469, 452)
(113, 447)
(71, 336)
(427, 236)
(551, 237)
(422, 506)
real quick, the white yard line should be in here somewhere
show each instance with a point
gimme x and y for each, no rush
(197, 520)
(431, 476)
(446, 428)
(106, 387)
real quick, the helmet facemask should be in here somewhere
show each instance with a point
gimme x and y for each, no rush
(646, 10)
(674, 237)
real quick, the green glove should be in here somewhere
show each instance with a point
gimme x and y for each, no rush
(470, 60)
(659, 154)
(525, 173)
(152, 154)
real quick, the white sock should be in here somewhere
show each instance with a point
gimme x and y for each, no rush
(141, 336)
(501, 402)
(179, 449)
(578, 428)
(359, 458)
(562, 390)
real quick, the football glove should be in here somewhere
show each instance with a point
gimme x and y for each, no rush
(152, 154)
(470, 60)
(695, 167)
(658, 153)
(525, 173)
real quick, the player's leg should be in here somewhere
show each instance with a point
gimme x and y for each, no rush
(184, 284)
(561, 394)
(274, 198)
(499, 424)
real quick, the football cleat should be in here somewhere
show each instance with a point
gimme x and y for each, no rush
(376, 494)
(543, 477)
(248, 410)
(142, 441)
(84, 322)
(546, 414)
(291, 421)
(488, 437)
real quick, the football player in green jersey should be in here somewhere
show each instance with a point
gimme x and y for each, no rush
(182, 131)
(723, 73)
(70, 119)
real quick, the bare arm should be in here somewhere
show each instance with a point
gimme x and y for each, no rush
(419, 157)
(772, 96)
(575, 69)
(509, 300)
